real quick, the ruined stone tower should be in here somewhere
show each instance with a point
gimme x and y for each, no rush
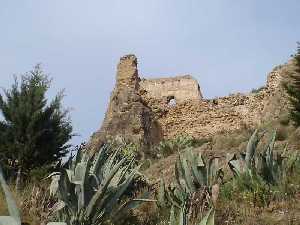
(127, 116)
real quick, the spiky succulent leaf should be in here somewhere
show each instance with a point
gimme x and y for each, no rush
(172, 216)
(91, 188)
(188, 175)
(8, 220)
(11, 204)
(161, 196)
(251, 148)
(209, 219)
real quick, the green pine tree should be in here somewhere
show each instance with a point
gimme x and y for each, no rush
(33, 133)
(293, 89)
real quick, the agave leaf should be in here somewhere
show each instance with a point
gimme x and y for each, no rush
(122, 188)
(180, 195)
(99, 160)
(182, 216)
(52, 174)
(209, 219)
(11, 204)
(113, 196)
(161, 194)
(123, 172)
(202, 169)
(269, 151)
(251, 148)
(54, 185)
(194, 165)
(172, 198)
(179, 176)
(176, 197)
(127, 206)
(65, 191)
(172, 216)
(97, 200)
(188, 175)
(110, 162)
(235, 167)
(8, 220)
(80, 178)
(212, 171)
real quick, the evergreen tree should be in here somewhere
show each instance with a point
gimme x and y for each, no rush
(293, 89)
(33, 133)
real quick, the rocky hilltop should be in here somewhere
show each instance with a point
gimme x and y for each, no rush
(145, 111)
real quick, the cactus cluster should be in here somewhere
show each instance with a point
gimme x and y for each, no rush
(90, 190)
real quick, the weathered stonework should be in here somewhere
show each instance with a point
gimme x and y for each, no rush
(181, 88)
(139, 110)
(208, 117)
(127, 117)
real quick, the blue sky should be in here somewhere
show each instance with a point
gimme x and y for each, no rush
(227, 45)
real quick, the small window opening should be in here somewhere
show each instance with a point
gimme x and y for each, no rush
(171, 101)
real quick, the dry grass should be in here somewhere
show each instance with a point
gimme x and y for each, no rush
(242, 213)
(34, 202)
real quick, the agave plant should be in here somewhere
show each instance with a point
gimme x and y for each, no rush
(192, 174)
(91, 190)
(246, 162)
(14, 213)
(268, 167)
(195, 188)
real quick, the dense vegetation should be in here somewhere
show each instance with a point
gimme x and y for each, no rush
(205, 190)
(293, 89)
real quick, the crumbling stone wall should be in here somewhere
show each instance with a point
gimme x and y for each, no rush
(208, 117)
(180, 88)
(139, 111)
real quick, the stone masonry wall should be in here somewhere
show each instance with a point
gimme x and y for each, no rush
(181, 88)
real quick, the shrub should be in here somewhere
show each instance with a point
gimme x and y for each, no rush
(33, 131)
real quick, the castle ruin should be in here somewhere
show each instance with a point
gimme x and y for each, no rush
(140, 111)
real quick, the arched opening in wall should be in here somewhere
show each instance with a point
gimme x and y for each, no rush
(171, 101)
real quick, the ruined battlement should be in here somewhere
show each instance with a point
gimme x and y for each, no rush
(139, 109)
(179, 88)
